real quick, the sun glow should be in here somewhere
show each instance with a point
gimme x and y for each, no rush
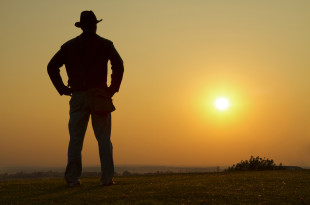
(222, 103)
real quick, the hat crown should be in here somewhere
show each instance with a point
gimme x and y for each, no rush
(88, 17)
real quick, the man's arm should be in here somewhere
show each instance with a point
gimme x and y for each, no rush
(117, 67)
(54, 72)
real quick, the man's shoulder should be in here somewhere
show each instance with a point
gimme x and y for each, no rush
(71, 42)
(104, 40)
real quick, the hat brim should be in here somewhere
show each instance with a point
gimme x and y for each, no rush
(79, 24)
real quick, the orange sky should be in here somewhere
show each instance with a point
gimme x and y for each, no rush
(179, 57)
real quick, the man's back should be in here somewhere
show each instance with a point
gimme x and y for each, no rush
(86, 59)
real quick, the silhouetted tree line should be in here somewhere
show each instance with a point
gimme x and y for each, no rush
(52, 174)
(256, 163)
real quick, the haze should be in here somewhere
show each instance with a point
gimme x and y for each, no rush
(179, 56)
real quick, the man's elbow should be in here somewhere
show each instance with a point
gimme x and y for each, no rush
(118, 67)
(121, 66)
(49, 68)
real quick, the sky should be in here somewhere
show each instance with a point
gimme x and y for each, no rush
(179, 57)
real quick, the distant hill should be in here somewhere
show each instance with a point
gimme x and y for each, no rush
(138, 169)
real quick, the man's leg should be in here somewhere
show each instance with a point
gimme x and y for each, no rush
(79, 117)
(102, 129)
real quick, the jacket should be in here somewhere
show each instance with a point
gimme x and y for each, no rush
(86, 60)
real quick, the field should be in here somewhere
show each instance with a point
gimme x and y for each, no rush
(264, 187)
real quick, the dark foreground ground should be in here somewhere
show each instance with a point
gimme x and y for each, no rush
(265, 187)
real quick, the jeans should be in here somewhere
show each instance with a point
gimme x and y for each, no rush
(80, 111)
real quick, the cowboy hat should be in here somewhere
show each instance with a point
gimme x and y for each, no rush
(87, 18)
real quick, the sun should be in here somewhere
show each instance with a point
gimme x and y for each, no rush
(222, 103)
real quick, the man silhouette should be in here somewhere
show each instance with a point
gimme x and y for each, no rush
(85, 58)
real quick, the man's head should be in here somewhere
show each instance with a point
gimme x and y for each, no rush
(88, 21)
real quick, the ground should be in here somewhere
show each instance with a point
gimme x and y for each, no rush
(257, 187)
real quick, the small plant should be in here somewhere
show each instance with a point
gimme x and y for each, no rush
(255, 163)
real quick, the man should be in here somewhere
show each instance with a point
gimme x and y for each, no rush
(86, 58)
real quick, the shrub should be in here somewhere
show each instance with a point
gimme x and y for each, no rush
(255, 163)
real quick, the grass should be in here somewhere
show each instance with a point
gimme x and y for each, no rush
(264, 187)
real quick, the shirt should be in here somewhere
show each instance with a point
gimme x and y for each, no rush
(86, 60)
